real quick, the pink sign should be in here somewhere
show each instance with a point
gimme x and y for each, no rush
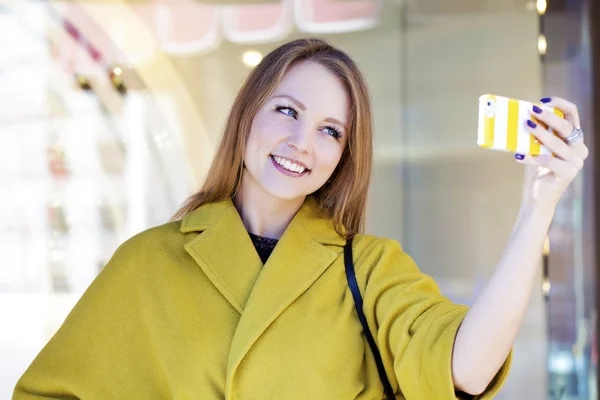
(257, 23)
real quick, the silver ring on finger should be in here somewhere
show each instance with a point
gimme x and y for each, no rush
(575, 137)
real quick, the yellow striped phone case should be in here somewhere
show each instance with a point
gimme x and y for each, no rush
(502, 125)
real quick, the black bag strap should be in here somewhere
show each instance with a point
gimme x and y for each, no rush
(358, 303)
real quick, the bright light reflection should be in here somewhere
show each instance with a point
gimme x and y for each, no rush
(542, 45)
(251, 58)
(541, 6)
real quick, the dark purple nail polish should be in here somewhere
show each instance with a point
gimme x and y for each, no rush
(519, 156)
(536, 109)
(546, 100)
(531, 123)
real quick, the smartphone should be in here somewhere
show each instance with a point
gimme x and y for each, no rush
(502, 125)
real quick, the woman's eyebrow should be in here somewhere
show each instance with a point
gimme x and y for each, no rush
(337, 121)
(303, 108)
(294, 100)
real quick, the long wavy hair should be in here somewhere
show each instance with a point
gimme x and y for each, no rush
(343, 198)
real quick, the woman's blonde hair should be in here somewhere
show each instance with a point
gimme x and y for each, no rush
(343, 198)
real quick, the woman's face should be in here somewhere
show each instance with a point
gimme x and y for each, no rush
(298, 136)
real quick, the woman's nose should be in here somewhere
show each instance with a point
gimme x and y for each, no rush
(300, 139)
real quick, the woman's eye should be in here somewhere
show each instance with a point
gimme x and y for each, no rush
(333, 132)
(287, 111)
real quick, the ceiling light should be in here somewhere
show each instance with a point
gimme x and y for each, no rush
(542, 45)
(546, 250)
(541, 6)
(546, 287)
(251, 58)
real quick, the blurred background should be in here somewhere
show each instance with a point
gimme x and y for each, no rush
(110, 112)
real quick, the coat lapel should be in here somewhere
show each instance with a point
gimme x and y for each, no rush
(299, 259)
(224, 251)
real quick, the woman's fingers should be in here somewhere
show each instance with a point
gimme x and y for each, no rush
(553, 143)
(564, 127)
(570, 109)
(558, 124)
(563, 170)
(569, 157)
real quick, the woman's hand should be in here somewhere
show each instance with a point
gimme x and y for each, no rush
(553, 175)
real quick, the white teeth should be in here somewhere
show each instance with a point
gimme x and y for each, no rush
(287, 164)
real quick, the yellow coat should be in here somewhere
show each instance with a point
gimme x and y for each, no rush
(187, 311)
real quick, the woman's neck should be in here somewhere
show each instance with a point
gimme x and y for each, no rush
(262, 213)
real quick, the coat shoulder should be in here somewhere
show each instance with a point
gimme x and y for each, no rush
(151, 246)
(379, 257)
(155, 237)
(372, 242)
(377, 248)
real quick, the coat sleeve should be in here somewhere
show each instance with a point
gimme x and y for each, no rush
(415, 326)
(101, 350)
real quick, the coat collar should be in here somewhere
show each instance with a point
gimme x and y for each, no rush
(259, 293)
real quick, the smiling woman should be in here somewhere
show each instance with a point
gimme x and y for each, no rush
(246, 296)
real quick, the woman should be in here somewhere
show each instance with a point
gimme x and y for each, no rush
(246, 296)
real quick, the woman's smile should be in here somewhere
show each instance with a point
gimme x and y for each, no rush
(289, 167)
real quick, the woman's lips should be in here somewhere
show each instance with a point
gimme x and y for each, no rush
(287, 172)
